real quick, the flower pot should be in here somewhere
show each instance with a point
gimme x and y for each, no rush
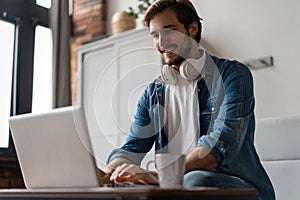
(122, 21)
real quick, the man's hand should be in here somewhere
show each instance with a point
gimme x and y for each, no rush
(133, 174)
(110, 168)
(104, 177)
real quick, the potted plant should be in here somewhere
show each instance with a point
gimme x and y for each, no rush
(141, 8)
(126, 20)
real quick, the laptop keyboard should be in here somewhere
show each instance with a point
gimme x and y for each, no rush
(114, 185)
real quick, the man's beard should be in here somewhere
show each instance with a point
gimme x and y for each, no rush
(181, 56)
(176, 61)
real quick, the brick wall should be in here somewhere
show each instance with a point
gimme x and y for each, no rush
(10, 174)
(89, 23)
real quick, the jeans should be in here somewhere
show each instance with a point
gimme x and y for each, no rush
(214, 179)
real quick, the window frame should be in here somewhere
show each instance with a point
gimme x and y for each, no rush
(25, 15)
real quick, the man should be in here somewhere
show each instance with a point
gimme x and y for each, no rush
(203, 108)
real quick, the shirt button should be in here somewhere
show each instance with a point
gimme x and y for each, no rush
(223, 149)
(212, 109)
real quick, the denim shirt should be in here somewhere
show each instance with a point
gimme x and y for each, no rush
(225, 114)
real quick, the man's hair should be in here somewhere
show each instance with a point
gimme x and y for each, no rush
(184, 11)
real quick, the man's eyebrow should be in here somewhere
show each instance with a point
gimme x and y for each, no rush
(170, 26)
(153, 31)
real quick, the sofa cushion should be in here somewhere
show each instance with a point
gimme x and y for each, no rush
(278, 138)
(285, 177)
(277, 141)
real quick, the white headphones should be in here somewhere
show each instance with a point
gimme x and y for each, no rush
(189, 69)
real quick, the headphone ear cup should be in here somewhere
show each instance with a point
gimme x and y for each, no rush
(188, 69)
(168, 75)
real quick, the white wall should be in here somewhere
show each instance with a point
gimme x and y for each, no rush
(251, 29)
(243, 30)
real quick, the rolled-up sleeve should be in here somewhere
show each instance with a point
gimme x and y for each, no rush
(232, 122)
(135, 158)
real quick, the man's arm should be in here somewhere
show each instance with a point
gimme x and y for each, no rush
(200, 159)
(235, 115)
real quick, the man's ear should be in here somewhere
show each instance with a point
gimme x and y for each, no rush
(193, 29)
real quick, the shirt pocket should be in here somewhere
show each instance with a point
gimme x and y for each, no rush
(209, 107)
(208, 112)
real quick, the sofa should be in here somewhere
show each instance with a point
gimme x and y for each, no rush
(277, 142)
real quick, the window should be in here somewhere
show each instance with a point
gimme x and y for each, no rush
(42, 71)
(18, 23)
(44, 3)
(6, 63)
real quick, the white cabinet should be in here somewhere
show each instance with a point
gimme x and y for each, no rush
(112, 74)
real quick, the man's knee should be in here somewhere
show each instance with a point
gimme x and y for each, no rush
(198, 178)
(213, 179)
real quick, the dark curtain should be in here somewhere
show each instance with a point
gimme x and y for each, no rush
(60, 24)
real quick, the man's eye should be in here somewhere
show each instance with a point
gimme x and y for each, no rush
(167, 31)
(154, 36)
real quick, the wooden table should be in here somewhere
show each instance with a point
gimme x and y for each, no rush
(130, 194)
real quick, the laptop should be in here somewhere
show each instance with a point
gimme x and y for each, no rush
(54, 149)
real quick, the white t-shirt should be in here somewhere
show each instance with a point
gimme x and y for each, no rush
(181, 114)
(181, 122)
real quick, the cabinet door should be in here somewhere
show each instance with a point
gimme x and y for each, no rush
(99, 79)
(139, 65)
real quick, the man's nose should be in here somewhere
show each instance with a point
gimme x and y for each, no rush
(162, 42)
